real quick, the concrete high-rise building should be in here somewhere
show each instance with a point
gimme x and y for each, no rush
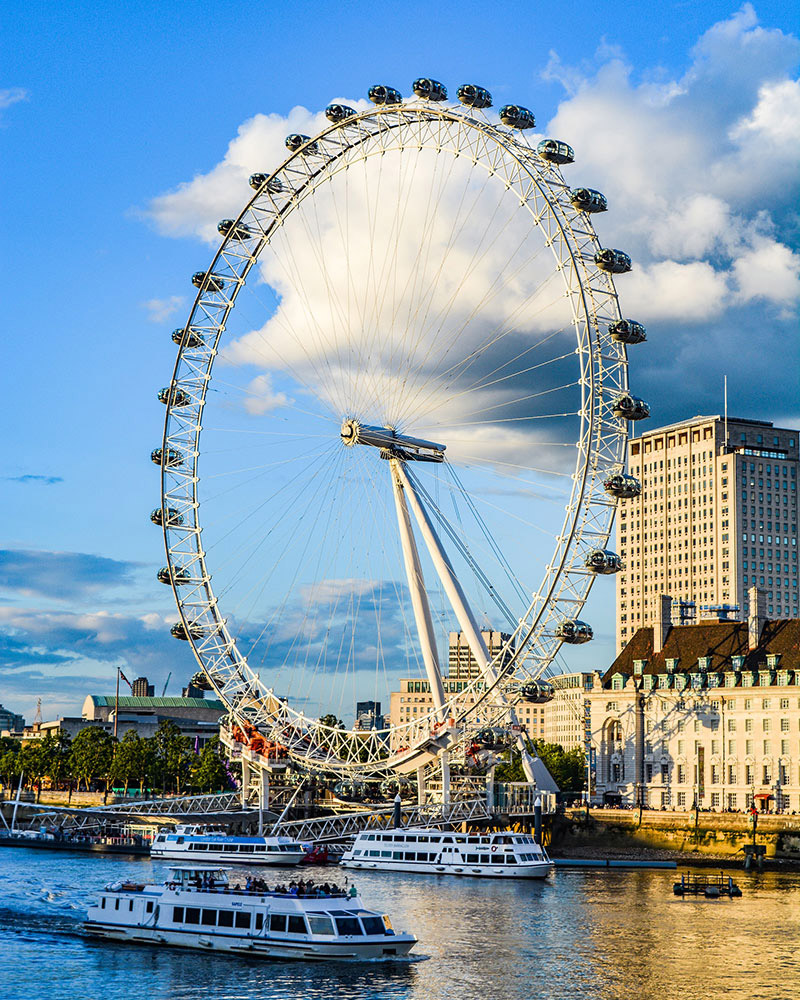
(368, 715)
(717, 515)
(462, 665)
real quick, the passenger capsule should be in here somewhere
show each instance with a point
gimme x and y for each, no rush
(274, 184)
(339, 112)
(174, 518)
(208, 282)
(180, 631)
(573, 631)
(200, 680)
(537, 694)
(179, 575)
(517, 117)
(603, 562)
(588, 200)
(628, 331)
(380, 94)
(622, 486)
(187, 337)
(303, 142)
(555, 151)
(613, 261)
(630, 407)
(429, 90)
(169, 460)
(174, 397)
(229, 228)
(474, 96)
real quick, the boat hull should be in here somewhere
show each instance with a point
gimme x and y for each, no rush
(274, 859)
(538, 870)
(256, 947)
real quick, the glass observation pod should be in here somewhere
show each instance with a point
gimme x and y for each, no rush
(603, 561)
(574, 631)
(179, 631)
(201, 682)
(187, 337)
(492, 739)
(588, 200)
(622, 486)
(353, 790)
(474, 96)
(171, 458)
(174, 518)
(379, 93)
(613, 261)
(274, 184)
(339, 112)
(178, 576)
(173, 396)
(229, 228)
(628, 331)
(537, 694)
(516, 116)
(430, 90)
(555, 151)
(630, 407)
(211, 282)
(297, 141)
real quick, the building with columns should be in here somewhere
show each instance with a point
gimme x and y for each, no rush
(717, 515)
(705, 713)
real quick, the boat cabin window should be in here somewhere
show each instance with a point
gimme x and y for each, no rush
(259, 921)
(103, 903)
(373, 925)
(348, 925)
(149, 907)
(177, 914)
(192, 915)
(297, 925)
(277, 922)
(116, 904)
(321, 925)
(209, 918)
(225, 918)
(242, 919)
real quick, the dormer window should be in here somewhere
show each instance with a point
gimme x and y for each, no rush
(704, 662)
(773, 659)
(737, 662)
(638, 667)
(672, 665)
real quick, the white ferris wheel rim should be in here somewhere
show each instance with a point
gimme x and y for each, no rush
(603, 376)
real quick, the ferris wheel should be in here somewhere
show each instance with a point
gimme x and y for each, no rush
(415, 430)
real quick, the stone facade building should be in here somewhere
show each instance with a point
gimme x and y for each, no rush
(717, 515)
(706, 713)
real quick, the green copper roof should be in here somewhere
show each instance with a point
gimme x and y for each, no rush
(129, 701)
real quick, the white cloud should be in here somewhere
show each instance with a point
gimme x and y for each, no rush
(260, 398)
(12, 95)
(160, 310)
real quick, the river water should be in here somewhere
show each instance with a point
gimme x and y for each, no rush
(581, 934)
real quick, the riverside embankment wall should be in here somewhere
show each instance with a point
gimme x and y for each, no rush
(718, 834)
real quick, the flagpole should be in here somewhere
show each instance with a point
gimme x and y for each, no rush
(116, 704)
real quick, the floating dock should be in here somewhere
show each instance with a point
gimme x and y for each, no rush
(610, 863)
(709, 886)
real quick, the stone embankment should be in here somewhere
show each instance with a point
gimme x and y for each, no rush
(633, 832)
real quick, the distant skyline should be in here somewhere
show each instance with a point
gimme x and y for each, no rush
(126, 135)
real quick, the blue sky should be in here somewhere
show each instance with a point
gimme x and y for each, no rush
(107, 110)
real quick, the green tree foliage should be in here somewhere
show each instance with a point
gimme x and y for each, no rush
(173, 757)
(9, 760)
(567, 767)
(91, 755)
(208, 769)
(56, 750)
(134, 761)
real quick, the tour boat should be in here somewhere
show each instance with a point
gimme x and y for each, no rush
(497, 855)
(200, 845)
(199, 908)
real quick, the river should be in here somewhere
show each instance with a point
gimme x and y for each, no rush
(604, 935)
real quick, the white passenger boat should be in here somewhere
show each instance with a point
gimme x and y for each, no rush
(200, 845)
(496, 855)
(200, 908)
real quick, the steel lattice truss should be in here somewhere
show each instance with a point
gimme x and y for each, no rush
(541, 191)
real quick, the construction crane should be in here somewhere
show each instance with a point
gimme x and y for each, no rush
(166, 682)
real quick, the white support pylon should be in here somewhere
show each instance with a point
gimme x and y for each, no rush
(458, 601)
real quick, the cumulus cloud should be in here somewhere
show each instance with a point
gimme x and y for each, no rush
(66, 576)
(160, 310)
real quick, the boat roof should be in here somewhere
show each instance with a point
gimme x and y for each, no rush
(198, 868)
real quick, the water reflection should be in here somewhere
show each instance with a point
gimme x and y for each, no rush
(601, 935)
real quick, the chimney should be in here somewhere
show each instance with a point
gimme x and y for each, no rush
(662, 623)
(757, 616)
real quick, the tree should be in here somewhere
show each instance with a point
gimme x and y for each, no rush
(56, 749)
(91, 755)
(33, 762)
(9, 760)
(173, 756)
(209, 773)
(133, 761)
(567, 767)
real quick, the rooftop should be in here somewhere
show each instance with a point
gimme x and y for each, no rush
(131, 701)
